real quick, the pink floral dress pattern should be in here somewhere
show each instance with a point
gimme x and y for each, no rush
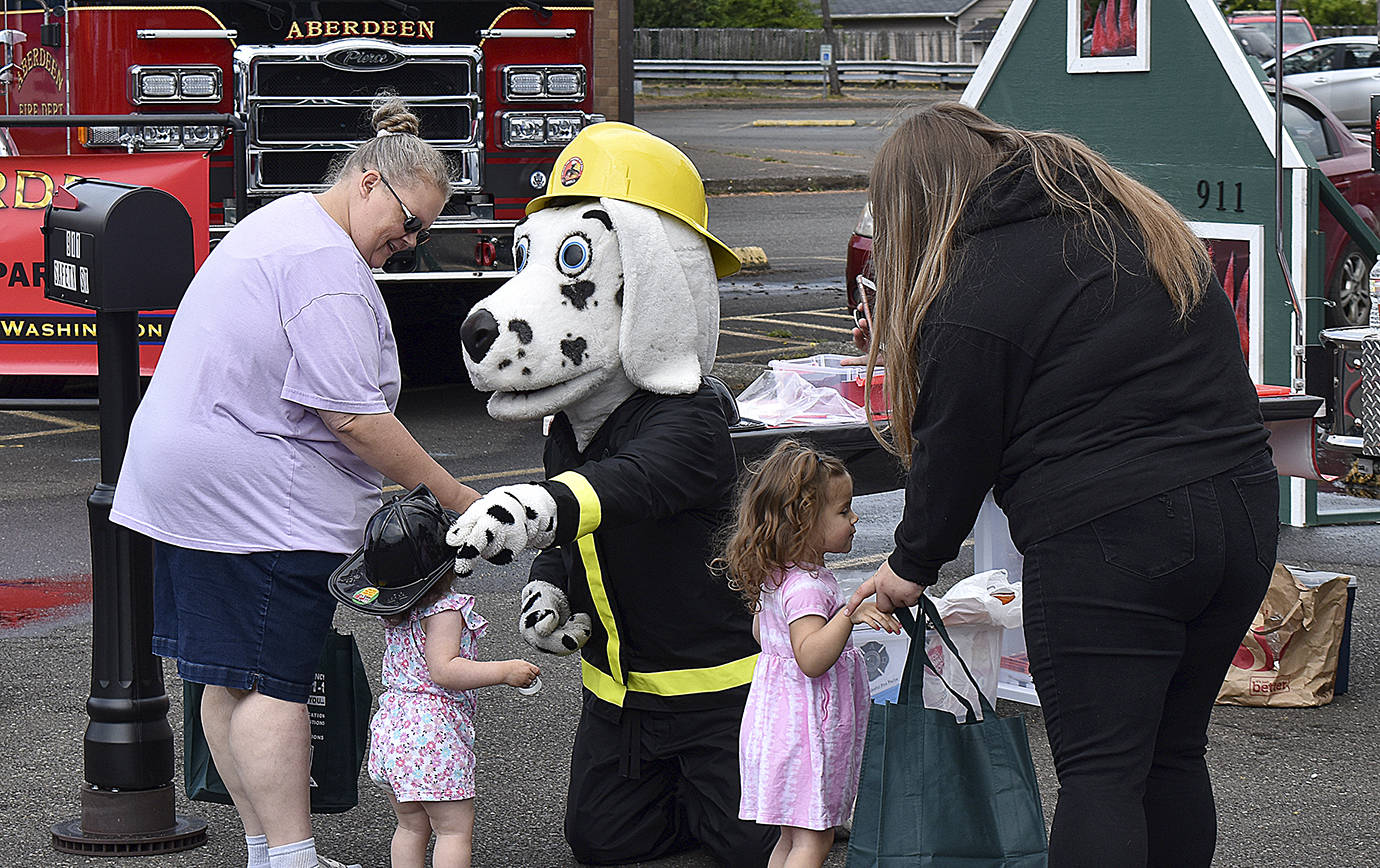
(421, 740)
(800, 748)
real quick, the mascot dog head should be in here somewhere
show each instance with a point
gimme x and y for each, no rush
(616, 280)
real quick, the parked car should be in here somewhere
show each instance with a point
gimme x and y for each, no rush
(859, 258)
(1341, 72)
(1297, 30)
(1343, 157)
(1253, 42)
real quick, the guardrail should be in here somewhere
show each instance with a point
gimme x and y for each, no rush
(803, 71)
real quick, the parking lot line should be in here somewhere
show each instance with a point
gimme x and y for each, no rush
(67, 426)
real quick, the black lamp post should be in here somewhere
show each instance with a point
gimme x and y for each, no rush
(119, 249)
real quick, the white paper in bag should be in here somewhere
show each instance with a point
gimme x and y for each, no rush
(976, 611)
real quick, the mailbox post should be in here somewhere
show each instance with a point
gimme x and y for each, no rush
(119, 249)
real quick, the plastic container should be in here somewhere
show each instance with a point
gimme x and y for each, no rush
(825, 370)
(853, 391)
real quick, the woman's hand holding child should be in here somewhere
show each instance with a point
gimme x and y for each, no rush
(869, 614)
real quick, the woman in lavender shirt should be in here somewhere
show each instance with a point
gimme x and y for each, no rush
(259, 453)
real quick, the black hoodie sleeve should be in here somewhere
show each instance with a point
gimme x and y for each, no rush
(969, 381)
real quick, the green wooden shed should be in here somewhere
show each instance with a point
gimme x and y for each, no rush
(1163, 89)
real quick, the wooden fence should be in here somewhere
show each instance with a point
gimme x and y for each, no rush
(711, 43)
(1344, 30)
(707, 43)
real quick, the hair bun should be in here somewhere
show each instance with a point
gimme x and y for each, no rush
(391, 115)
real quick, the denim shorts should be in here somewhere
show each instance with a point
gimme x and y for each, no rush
(250, 622)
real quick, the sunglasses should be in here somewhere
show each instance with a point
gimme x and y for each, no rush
(411, 222)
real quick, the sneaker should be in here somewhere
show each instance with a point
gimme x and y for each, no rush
(323, 862)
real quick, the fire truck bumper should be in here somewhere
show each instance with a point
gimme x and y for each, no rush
(456, 252)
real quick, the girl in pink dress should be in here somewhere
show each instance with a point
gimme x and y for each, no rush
(800, 747)
(421, 740)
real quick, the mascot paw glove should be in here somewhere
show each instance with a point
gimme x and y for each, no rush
(545, 621)
(502, 523)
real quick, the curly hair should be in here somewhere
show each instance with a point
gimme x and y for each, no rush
(780, 500)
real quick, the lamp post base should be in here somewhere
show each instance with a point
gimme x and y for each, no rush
(128, 823)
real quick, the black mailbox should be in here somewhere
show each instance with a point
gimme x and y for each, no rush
(118, 247)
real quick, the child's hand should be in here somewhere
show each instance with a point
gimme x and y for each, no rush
(520, 673)
(869, 614)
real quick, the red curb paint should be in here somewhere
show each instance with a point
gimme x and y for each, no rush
(28, 601)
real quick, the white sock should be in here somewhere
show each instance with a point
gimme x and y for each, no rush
(299, 855)
(258, 851)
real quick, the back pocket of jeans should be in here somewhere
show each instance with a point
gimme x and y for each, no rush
(1151, 538)
(1260, 496)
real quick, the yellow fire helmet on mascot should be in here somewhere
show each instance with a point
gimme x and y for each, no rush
(620, 161)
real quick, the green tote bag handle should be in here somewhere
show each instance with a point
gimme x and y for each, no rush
(912, 687)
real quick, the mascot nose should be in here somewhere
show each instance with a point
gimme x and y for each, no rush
(478, 333)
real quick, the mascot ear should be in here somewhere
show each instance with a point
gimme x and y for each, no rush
(670, 327)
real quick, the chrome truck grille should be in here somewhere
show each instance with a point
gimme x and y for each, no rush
(308, 106)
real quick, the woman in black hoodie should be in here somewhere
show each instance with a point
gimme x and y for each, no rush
(1052, 330)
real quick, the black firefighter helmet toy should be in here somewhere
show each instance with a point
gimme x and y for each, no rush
(404, 555)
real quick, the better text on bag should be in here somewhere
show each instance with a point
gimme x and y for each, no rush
(1288, 658)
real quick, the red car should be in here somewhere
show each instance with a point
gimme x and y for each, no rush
(1343, 157)
(1297, 30)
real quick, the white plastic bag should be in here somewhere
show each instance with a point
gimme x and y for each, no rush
(780, 397)
(976, 611)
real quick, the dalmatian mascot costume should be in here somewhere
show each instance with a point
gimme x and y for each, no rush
(610, 324)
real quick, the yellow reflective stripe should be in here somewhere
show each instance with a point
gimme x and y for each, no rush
(590, 516)
(673, 682)
(594, 577)
(600, 684)
(591, 513)
(679, 682)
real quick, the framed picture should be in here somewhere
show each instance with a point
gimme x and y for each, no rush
(1109, 36)
(1236, 250)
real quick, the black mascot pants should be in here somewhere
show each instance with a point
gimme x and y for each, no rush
(654, 783)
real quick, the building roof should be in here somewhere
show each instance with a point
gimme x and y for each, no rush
(983, 30)
(896, 8)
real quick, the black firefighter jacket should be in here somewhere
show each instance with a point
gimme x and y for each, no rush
(637, 516)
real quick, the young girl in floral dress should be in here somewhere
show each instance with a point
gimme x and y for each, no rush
(800, 747)
(421, 739)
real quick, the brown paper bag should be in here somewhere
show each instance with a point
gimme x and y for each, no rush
(1288, 658)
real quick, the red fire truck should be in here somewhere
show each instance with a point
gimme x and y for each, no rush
(229, 105)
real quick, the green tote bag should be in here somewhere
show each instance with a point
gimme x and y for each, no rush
(339, 711)
(939, 793)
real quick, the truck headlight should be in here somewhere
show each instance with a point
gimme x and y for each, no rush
(531, 82)
(160, 85)
(523, 84)
(200, 137)
(563, 84)
(560, 130)
(521, 130)
(200, 85)
(161, 137)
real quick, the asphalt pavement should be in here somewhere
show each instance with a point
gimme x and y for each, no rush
(1295, 787)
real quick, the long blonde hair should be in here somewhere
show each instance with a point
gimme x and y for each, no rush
(780, 500)
(923, 180)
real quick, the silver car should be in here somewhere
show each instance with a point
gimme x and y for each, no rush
(1341, 73)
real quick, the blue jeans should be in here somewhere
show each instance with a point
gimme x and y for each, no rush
(1131, 621)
